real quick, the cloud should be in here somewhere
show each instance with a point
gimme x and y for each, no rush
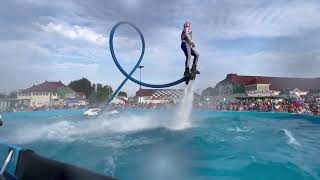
(75, 32)
(66, 66)
(274, 20)
(262, 63)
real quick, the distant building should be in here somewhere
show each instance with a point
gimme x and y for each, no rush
(260, 86)
(119, 100)
(74, 102)
(313, 95)
(158, 96)
(48, 94)
(293, 93)
(78, 100)
(3, 103)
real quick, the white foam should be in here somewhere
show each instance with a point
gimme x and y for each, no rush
(68, 130)
(291, 138)
(63, 130)
(237, 129)
(129, 123)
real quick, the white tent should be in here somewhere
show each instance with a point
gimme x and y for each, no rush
(117, 101)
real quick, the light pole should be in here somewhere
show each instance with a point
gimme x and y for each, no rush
(140, 67)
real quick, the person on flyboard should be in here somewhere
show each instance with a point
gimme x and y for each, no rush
(188, 47)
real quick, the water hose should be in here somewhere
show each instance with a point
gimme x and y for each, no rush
(129, 76)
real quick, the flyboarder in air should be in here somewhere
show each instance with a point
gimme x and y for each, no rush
(188, 47)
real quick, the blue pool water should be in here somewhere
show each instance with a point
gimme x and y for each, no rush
(140, 144)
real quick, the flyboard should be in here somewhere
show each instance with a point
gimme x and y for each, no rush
(192, 77)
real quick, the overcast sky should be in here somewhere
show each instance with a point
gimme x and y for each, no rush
(66, 40)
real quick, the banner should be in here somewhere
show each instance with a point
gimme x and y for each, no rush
(260, 93)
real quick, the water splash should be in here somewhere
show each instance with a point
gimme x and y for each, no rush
(110, 165)
(67, 130)
(237, 129)
(183, 113)
(291, 139)
(63, 130)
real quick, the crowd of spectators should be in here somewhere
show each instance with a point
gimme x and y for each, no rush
(266, 105)
(258, 105)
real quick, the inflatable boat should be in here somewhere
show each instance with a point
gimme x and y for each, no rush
(22, 164)
(92, 112)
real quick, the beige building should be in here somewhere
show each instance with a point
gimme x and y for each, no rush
(45, 94)
(254, 87)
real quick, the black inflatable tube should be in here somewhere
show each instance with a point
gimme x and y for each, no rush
(34, 167)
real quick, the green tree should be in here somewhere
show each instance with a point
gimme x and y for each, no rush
(94, 86)
(82, 85)
(122, 93)
(102, 93)
(93, 97)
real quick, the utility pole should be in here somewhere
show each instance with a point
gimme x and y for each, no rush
(140, 67)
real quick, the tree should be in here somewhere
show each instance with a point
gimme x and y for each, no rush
(122, 93)
(103, 92)
(94, 87)
(93, 97)
(82, 85)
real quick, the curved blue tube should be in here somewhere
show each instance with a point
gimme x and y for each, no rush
(138, 62)
(129, 76)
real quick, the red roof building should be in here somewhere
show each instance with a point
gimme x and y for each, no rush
(276, 83)
(45, 87)
(238, 85)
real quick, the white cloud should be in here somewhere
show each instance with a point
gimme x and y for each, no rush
(66, 66)
(76, 66)
(252, 20)
(76, 32)
(270, 63)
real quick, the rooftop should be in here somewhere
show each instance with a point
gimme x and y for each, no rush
(45, 87)
(277, 83)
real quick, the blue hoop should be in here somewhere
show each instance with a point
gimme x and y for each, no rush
(129, 76)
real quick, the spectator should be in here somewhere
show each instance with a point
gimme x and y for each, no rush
(1, 123)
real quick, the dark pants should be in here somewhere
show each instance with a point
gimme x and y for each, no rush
(188, 52)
